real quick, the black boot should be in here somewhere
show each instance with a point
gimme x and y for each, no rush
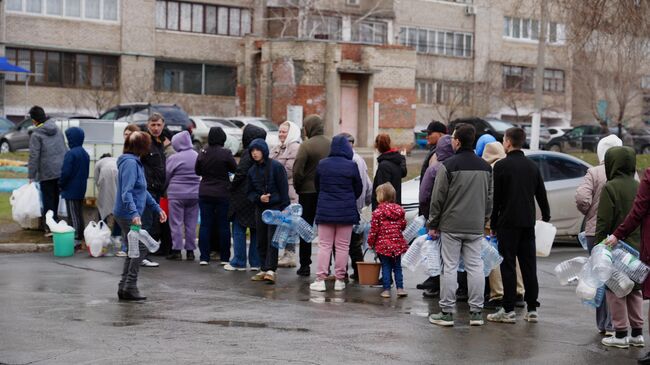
(175, 255)
(132, 295)
(431, 293)
(189, 255)
(432, 283)
(120, 291)
(644, 360)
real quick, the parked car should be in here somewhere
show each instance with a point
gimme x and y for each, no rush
(585, 138)
(641, 139)
(17, 137)
(495, 127)
(562, 175)
(201, 129)
(176, 119)
(5, 125)
(544, 135)
(557, 131)
(270, 127)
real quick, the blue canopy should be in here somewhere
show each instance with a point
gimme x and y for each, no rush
(5, 66)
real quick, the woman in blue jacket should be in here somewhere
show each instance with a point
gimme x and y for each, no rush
(131, 199)
(338, 184)
(73, 180)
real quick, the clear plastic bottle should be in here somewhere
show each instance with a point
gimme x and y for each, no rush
(152, 244)
(490, 256)
(431, 253)
(412, 258)
(587, 277)
(569, 270)
(630, 265)
(582, 238)
(411, 230)
(281, 237)
(601, 262)
(620, 284)
(624, 246)
(597, 300)
(295, 209)
(134, 242)
(304, 229)
(273, 217)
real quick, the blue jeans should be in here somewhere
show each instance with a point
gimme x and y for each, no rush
(214, 212)
(239, 246)
(394, 265)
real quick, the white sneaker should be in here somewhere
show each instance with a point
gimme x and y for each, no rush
(339, 285)
(621, 343)
(120, 254)
(288, 259)
(531, 317)
(224, 263)
(255, 268)
(318, 285)
(636, 341)
(502, 316)
(229, 267)
(149, 263)
(203, 263)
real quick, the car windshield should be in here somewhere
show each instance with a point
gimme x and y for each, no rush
(500, 125)
(265, 124)
(219, 123)
(5, 124)
(172, 114)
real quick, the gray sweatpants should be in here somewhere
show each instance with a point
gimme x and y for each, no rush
(453, 245)
(131, 266)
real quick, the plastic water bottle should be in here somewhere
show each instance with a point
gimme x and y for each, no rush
(274, 217)
(630, 265)
(598, 298)
(569, 270)
(361, 226)
(620, 284)
(582, 238)
(280, 237)
(304, 229)
(134, 242)
(295, 209)
(589, 278)
(152, 244)
(490, 256)
(601, 262)
(411, 231)
(431, 257)
(412, 258)
(293, 238)
(628, 248)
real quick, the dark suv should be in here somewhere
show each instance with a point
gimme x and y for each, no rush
(495, 127)
(176, 119)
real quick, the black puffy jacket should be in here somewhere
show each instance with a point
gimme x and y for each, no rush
(392, 168)
(154, 166)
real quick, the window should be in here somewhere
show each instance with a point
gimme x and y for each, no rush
(562, 169)
(191, 78)
(443, 92)
(523, 79)
(65, 69)
(369, 32)
(455, 44)
(324, 27)
(554, 80)
(92, 9)
(528, 29)
(203, 18)
(645, 82)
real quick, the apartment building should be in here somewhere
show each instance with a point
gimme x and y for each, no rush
(416, 60)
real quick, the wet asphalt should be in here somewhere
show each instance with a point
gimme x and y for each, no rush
(65, 311)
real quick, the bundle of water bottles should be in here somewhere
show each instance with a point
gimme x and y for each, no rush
(425, 251)
(291, 226)
(617, 268)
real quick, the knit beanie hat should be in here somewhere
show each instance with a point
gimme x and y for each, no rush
(38, 114)
(606, 143)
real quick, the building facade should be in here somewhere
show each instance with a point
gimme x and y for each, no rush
(417, 60)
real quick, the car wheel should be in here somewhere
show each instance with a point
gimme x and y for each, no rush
(555, 148)
(645, 150)
(5, 147)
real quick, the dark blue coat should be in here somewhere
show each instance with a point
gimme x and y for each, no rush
(269, 176)
(74, 171)
(338, 184)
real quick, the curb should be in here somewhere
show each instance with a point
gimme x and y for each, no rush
(25, 247)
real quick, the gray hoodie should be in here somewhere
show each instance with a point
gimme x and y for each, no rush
(46, 151)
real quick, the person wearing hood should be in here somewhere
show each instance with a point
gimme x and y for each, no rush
(444, 150)
(483, 141)
(310, 153)
(73, 180)
(587, 200)
(130, 202)
(391, 168)
(339, 185)
(241, 211)
(214, 165)
(46, 152)
(268, 188)
(182, 186)
(616, 201)
(105, 178)
(285, 153)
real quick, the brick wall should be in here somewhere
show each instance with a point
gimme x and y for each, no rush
(311, 97)
(395, 107)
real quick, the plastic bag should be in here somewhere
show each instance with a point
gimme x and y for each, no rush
(97, 236)
(25, 204)
(431, 254)
(63, 209)
(60, 227)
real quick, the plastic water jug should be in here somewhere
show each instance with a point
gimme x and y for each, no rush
(569, 270)
(597, 299)
(544, 236)
(601, 262)
(411, 230)
(582, 238)
(630, 265)
(151, 244)
(587, 277)
(490, 256)
(133, 239)
(431, 257)
(620, 284)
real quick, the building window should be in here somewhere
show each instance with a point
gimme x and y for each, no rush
(93, 9)
(443, 92)
(369, 32)
(65, 69)
(203, 18)
(193, 78)
(324, 27)
(523, 79)
(448, 43)
(528, 29)
(645, 82)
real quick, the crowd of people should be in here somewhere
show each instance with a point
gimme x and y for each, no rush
(469, 189)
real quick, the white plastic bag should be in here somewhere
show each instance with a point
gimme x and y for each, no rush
(25, 204)
(63, 209)
(97, 236)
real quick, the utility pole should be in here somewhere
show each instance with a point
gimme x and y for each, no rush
(539, 78)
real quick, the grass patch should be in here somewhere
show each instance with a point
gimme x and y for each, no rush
(18, 156)
(642, 161)
(12, 175)
(5, 208)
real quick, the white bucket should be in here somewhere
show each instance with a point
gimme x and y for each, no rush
(544, 236)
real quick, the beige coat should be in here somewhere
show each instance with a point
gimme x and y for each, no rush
(588, 196)
(286, 155)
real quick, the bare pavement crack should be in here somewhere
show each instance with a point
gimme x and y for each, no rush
(82, 268)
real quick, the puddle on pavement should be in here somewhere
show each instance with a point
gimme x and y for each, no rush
(237, 324)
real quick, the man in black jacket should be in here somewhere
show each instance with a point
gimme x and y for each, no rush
(154, 170)
(517, 183)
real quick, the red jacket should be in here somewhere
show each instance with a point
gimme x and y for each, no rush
(386, 228)
(639, 216)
